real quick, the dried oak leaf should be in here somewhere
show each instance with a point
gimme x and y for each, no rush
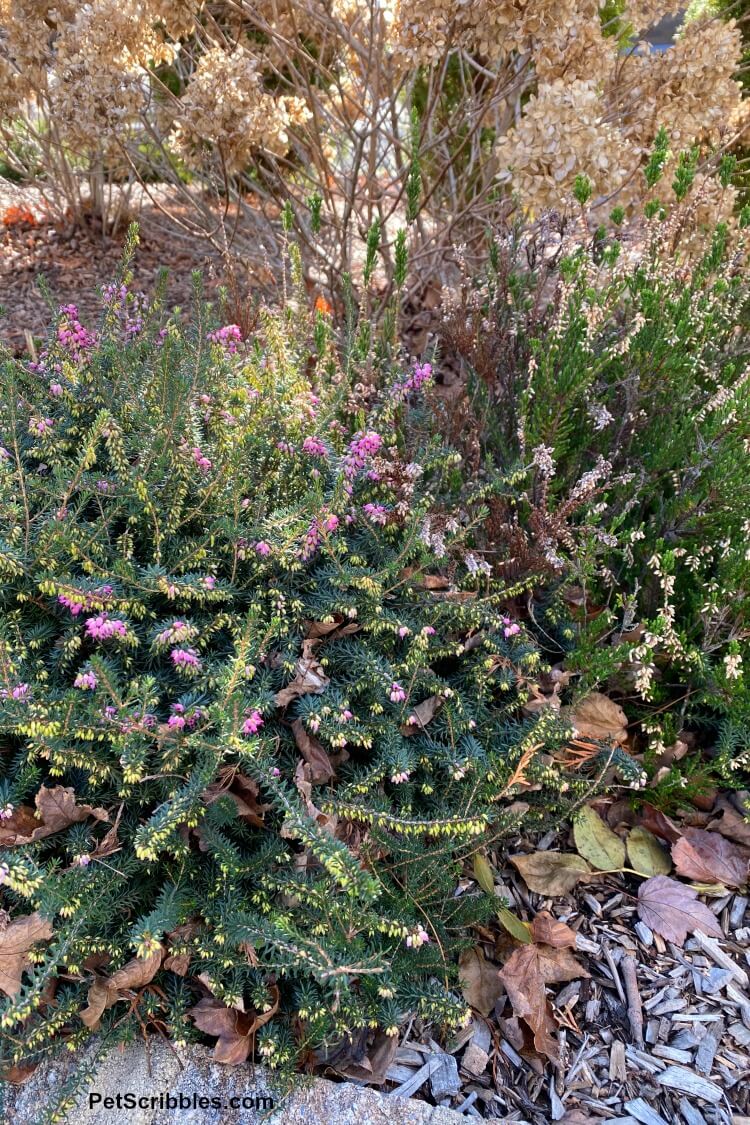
(480, 981)
(548, 931)
(369, 1065)
(551, 873)
(672, 910)
(309, 678)
(234, 1030)
(106, 991)
(16, 941)
(596, 716)
(56, 809)
(525, 975)
(318, 629)
(314, 753)
(707, 857)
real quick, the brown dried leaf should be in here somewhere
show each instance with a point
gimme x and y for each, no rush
(56, 809)
(551, 873)
(546, 929)
(242, 790)
(16, 940)
(422, 714)
(480, 981)
(106, 991)
(708, 858)
(314, 753)
(731, 823)
(596, 716)
(525, 975)
(235, 1030)
(309, 679)
(659, 823)
(672, 910)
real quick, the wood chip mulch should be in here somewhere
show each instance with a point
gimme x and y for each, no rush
(656, 1035)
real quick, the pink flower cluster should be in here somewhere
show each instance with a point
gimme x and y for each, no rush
(103, 627)
(416, 379)
(419, 937)
(186, 658)
(204, 463)
(314, 446)
(229, 336)
(80, 602)
(39, 427)
(263, 548)
(71, 334)
(252, 723)
(6, 812)
(19, 692)
(182, 719)
(510, 628)
(397, 693)
(361, 449)
(86, 681)
(376, 512)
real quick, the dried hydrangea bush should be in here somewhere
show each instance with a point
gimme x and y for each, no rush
(365, 107)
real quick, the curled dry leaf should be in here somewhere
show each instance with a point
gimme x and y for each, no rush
(339, 627)
(596, 716)
(234, 1030)
(243, 791)
(480, 981)
(645, 853)
(309, 678)
(16, 941)
(56, 809)
(314, 753)
(708, 858)
(106, 991)
(673, 910)
(551, 873)
(525, 976)
(659, 823)
(596, 841)
(549, 931)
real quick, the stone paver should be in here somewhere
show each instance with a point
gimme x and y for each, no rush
(148, 1076)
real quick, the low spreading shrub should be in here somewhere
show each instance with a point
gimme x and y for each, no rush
(608, 383)
(258, 706)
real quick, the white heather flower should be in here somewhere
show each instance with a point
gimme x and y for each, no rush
(733, 666)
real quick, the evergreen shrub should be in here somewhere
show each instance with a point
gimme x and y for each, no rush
(258, 706)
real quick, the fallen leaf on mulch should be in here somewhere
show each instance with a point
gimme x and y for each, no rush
(596, 716)
(480, 982)
(659, 823)
(235, 1030)
(549, 931)
(309, 678)
(551, 873)
(314, 753)
(360, 1061)
(672, 909)
(16, 941)
(645, 853)
(708, 857)
(106, 991)
(596, 841)
(525, 975)
(56, 809)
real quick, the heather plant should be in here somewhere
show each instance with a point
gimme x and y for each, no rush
(258, 708)
(366, 107)
(608, 383)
